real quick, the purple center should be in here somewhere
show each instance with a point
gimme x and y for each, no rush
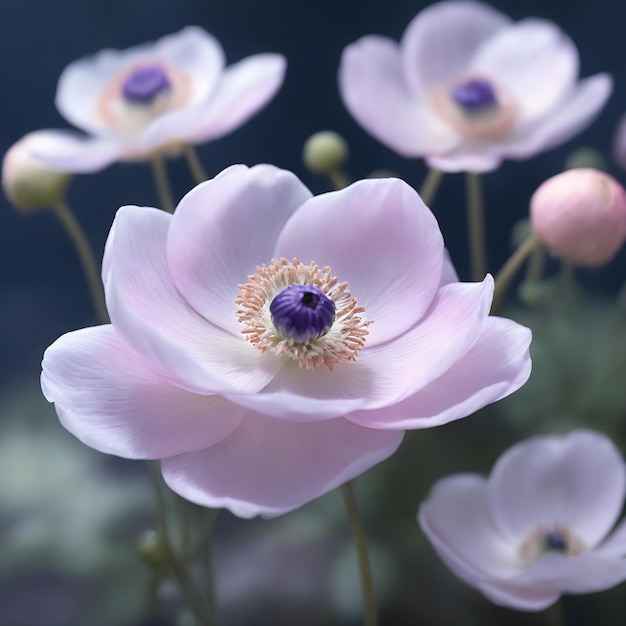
(302, 312)
(474, 95)
(554, 541)
(145, 84)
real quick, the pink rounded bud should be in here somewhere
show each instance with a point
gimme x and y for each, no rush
(580, 216)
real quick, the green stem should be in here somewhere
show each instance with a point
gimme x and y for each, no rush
(195, 166)
(360, 541)
(202, 612)
(161, 181)
(430, 186)
(510, 268)
(476, 227)
(338, 179)
(554, 615)
(536, 264)
(86, 256)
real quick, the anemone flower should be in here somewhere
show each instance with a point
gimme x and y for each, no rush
(268, 345)
(467, 87)
(539, 526)
(155, 98)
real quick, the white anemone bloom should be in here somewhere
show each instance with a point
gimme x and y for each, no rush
(154, 98)
(539, 526)
(467, 87)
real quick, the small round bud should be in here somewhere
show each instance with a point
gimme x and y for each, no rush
(325, 152)
(585, 158)
(153, 549)
(580, 216)
(28, 183)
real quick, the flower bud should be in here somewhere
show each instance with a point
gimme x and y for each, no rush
(325, 152)
(28, 183)
(580, 216)
(153, 549)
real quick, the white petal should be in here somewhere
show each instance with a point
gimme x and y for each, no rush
(373, 89)
(573, 116)
(535, 61)
(379, 237)
(384, 374)
(465, 160)
(494, 367)
(577, 481)
(147, 309)
(67, 151)
(223, 229)
(115, 401)
(441, 40)
(244, 88)
(268, 467)
(457, 521)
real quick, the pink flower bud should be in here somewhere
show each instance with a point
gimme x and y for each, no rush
(580, 216)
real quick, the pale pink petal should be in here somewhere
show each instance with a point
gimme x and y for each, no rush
(457, 521)
(268, 467)
(380, 238)
(150, 313)
(241, 91)
(441, 40)
(520, 598)
(494, 367)
(566, 121)
(448, 271)
(244, 88)
(582, 573)
(578, 481)
(615, 544)
(386, 373)
(374, 91)
(223, 229)
(619, 143)
(114, 400)
(67, 151)
(465, 160)
(535, 61)
(82, 82)
(198, 55)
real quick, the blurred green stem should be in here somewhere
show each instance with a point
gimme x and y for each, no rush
(476, 226)
(338, 179)
(554, 615)
(86, 256)
(159, 172)
(360, 541)
(195, 166)
(510, 268)
(430, 186)
(201, 610)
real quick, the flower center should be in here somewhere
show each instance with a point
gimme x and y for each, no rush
(302, 312)
(474, 95)
(555, 539)
(144, 84)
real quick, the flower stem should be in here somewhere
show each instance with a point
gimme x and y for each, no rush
(338, 179)
(202, 612)
(554, 615)
(87, 258)
(161, 181)
(510, 268)
(476, 226)
(360, 541)
(195, 166)
(430, 186)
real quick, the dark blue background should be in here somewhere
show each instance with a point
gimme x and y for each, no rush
(42, 291)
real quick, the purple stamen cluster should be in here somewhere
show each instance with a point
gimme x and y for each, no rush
(554, 541)
(474, 95)
(145, 84)
(302, 312)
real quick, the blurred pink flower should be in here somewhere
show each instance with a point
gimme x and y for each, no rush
(154, 98)
(263, 381)
(539, 526)
(467, 87)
